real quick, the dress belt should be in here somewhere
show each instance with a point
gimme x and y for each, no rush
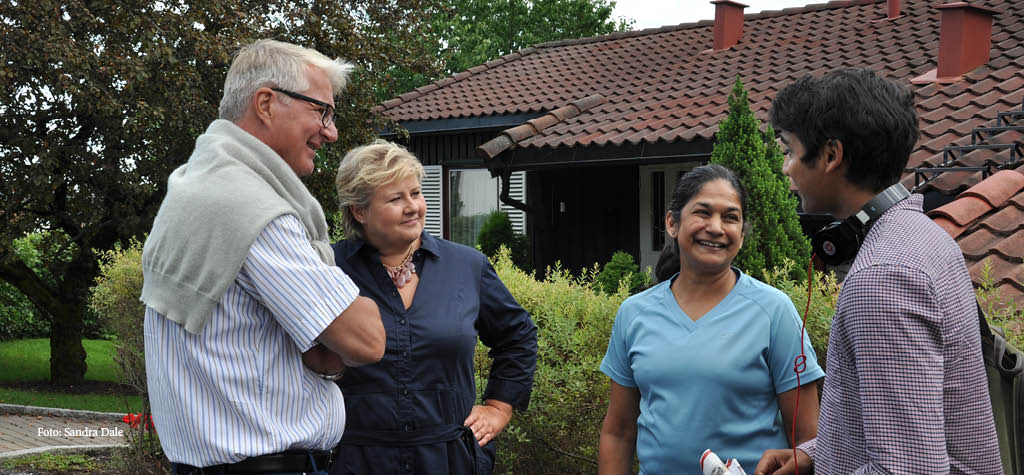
(402, 438)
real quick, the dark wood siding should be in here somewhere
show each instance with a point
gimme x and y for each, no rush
(450, 150)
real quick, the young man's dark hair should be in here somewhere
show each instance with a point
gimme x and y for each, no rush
(873, 118)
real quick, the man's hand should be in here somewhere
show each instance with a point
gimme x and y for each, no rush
(489, 420)
(322, 360)
(780, 462)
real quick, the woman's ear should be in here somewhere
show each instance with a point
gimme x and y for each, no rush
(358, 212)
(670, 225)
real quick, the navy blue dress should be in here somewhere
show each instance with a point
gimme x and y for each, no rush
(405, 413)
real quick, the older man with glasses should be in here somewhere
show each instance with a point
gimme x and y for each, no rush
(248, 322)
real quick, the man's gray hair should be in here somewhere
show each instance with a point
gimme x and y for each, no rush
(270, 63)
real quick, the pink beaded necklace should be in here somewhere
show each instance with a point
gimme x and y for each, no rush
(402, 273)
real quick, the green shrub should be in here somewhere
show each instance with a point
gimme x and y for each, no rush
(496, 232)
(1001, 311)
(824, 294)
(115, 297)
(622, 270)
(560, 431)
(18, 317)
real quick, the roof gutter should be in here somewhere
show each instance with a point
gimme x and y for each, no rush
(461, 124)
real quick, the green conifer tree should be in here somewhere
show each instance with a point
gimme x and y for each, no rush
(774, 229)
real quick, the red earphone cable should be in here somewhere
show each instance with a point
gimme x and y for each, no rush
(800, 363)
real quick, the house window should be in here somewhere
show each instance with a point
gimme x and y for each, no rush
(473, 195)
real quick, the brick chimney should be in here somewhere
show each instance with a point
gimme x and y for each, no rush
(892, 8)
(728, 23)
(965, 39)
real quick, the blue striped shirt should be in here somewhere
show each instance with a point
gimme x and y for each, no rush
(239, 389)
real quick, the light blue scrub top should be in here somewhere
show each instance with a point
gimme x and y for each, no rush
(709, 384)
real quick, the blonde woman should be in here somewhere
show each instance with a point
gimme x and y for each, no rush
(415, 411)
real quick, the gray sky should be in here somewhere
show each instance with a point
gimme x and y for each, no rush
(655, 13)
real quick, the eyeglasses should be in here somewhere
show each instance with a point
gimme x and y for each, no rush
(328, 114)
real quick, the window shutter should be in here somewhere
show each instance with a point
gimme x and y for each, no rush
(431, 188)
(517, 191)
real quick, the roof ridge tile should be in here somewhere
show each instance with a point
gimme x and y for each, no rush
(998, 188)
(962, 211)
(533, 127)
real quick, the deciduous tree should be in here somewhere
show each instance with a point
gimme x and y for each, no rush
(99, 101)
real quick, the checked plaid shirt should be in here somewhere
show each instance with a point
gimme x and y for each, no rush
(905, 390)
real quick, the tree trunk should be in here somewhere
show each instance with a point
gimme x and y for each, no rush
(67, 356)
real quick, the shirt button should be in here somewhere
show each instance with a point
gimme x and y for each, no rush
(405, 353)
(408, 466)
(407, 427)
(394, 293)
(405, 391)
(402, 321)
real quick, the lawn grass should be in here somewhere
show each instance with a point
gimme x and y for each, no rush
(28, 361)
(85, 402)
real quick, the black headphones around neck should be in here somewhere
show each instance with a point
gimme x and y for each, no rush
(839, 241)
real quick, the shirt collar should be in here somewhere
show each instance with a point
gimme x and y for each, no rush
(428, 243)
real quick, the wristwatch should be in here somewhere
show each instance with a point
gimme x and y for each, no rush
(332, 377)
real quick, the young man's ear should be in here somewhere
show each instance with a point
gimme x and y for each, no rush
(832, 152)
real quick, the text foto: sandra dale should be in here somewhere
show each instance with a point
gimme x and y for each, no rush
(83, 432)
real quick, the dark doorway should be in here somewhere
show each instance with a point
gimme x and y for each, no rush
(583, 215)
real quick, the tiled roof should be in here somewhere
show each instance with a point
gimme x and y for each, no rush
(987, 222)
(663, 85)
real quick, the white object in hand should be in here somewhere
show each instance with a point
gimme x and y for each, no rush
(734, 467)
(710, 464)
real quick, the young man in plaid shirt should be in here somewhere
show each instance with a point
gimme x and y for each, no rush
(905, 390)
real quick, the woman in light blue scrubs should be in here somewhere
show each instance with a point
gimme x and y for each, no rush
(704, 359)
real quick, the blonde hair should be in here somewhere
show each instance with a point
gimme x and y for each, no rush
(270, 63)
(366, 168)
